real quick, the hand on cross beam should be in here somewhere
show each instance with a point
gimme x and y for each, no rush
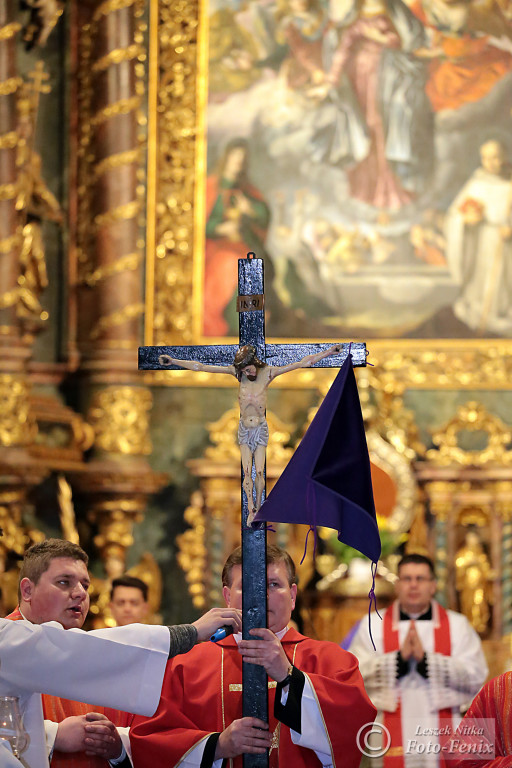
(247, 735)
(267, 652)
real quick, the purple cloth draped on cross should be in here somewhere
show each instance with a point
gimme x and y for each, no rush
(328, 479)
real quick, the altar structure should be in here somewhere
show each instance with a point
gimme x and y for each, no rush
(107, 167)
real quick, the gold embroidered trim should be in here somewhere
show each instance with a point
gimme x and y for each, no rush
(239, 687)
(275, 738)
(222, 687)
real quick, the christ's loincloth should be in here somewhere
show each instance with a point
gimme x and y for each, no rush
(253, 436)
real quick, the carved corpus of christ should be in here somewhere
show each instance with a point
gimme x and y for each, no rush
(254, 377)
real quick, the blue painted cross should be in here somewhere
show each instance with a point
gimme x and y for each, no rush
(251, 331)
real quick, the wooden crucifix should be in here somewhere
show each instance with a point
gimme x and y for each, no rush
(255, 364)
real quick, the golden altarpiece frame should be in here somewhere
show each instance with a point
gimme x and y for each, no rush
(441, 494)
(449, 501)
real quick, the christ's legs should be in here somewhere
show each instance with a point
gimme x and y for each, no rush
(247, 481)
(259, 466)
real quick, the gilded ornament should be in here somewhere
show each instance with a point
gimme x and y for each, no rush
(9, 140)
(173, 49)
(9, 30)
(472, 417)
(121, 107)
(192, 554)
(117, 56)
(10, 85)
(116, 318)
(8, 191)
(17, 425)
(120, 417)
(116, 161)
(110, 6)
(130, 262)
(120, 213)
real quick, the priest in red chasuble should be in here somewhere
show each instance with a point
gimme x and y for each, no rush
(484, 737)
(429, 664)
(317, 701)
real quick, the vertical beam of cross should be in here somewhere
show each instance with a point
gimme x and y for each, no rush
(254, 579)
(254, 540)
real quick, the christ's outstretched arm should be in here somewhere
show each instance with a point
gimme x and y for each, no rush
(193, 365)
(306, 362)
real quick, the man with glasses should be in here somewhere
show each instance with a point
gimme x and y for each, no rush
(428, 664)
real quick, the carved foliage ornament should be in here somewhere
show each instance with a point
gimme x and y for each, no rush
(472, 418)
(17, 425)
(120, 417)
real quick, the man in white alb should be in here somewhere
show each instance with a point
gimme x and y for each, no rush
(112, 667)
(428, 664)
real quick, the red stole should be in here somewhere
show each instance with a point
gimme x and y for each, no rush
(394, 758)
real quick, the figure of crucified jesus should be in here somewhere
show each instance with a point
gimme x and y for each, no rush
(254, 377)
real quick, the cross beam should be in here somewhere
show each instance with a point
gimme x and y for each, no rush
(254, 540)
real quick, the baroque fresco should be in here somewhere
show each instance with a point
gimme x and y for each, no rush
(363, 148)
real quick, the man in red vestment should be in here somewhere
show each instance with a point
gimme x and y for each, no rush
(53, 587)
(317, 700)
(484, 737)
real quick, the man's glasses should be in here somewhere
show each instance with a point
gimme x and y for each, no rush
(419, 579)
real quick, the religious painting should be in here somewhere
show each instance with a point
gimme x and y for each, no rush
(363, 148)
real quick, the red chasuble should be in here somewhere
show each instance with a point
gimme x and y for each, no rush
(484, 737)
(202, 694)
(57, 710)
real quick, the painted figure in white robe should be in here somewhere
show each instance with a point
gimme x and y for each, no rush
(479, 245)
(428, 664)
(376, 118)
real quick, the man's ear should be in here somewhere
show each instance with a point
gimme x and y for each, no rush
(226, 592)
(26, 589)
(293, 592)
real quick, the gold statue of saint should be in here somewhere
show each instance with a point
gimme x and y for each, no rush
(473, 576)
(35, 203)
(254, 377)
